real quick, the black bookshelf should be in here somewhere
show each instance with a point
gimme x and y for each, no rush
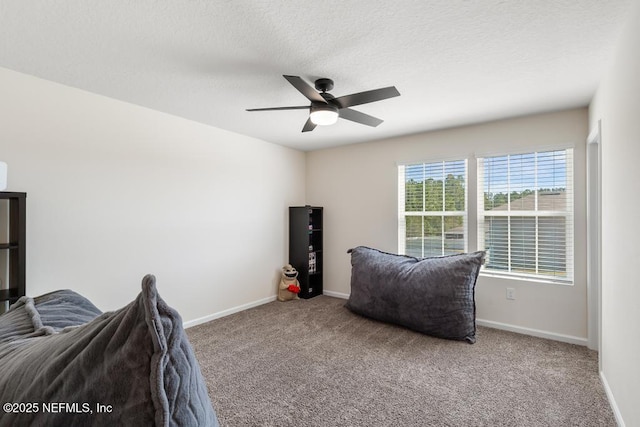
(16, 225)
(305, 248)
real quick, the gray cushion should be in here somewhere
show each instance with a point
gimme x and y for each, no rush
(46, 314)
(435, 296)
(137, 360)
(64, 308)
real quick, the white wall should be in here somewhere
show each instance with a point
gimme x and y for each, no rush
(115, 191)
(357, 185)
(617, 105)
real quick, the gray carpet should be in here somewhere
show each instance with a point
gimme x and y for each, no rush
(314, 363)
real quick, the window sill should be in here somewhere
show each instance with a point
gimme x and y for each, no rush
(526, 279)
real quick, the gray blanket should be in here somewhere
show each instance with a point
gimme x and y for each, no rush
(64, 363)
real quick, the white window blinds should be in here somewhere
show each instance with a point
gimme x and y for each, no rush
(525, 214)
(432, 215)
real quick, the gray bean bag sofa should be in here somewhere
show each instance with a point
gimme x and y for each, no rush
(435, 296)
(65, 363)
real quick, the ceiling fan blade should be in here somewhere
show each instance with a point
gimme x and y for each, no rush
(366, 97)
(309, 126)
(358, 117)
(301, 107)
(303, 87)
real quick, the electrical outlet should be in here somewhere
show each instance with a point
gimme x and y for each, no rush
(511, 293)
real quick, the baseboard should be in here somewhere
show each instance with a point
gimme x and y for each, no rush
(612, 401)
(227, 312)
(533, 332)
(335, 294)
(246, 306)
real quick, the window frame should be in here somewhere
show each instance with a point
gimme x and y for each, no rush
(568, 215)
(403, 214)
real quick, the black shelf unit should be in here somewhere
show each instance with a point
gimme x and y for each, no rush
(16, 225)
(305, 248)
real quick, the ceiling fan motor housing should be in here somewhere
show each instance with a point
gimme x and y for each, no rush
(324, 85)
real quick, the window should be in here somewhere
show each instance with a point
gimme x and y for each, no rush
(432, 216)
(525, 214)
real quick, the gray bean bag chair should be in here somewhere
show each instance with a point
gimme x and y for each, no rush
(64, 363)
(435, 296)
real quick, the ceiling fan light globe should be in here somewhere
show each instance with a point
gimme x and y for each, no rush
(324, 115)
(324, 118)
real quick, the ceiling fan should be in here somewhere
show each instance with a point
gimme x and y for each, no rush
(325, 108)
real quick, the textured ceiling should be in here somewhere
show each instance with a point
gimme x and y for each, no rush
(455, 62)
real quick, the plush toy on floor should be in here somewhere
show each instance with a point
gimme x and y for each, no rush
(289, 286)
